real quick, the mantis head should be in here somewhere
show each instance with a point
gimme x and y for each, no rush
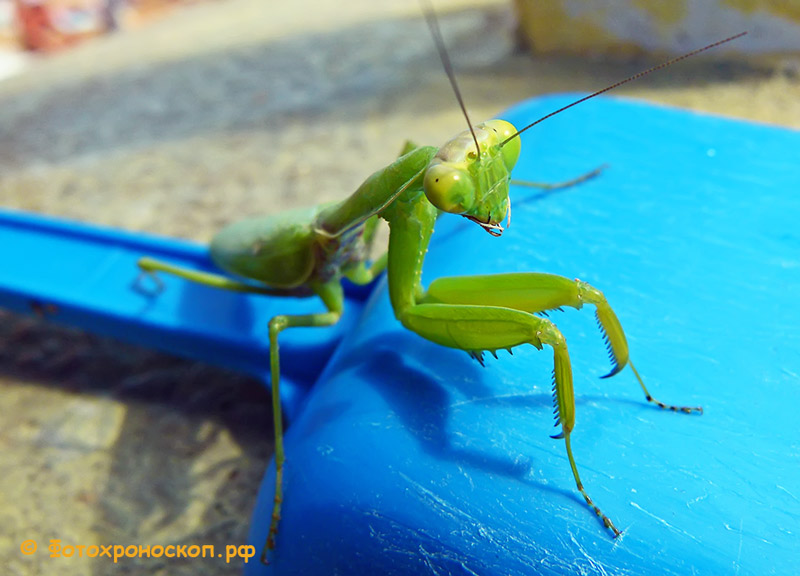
(470, 174)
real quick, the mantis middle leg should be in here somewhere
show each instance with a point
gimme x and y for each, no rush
(333, 297)
(487, 313)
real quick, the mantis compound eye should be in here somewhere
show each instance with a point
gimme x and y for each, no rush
(449, 189)
(503, 130)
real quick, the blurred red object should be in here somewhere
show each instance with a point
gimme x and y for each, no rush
(48, 25)
(37, 31)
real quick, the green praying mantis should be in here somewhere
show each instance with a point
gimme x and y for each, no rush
(307, 252)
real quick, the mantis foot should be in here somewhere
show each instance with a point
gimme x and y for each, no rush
(145, 271)
(671, 407)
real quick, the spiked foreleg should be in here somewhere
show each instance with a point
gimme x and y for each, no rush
(478, 328)
(475, 329)
(535, 292)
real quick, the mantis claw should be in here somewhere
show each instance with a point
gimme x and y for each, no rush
(617, 347)
(610, 526)
(615, 370)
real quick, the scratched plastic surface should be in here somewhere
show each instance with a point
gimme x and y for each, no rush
(410, 458)
(85, 276)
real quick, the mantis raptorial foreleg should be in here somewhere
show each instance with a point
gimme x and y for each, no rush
(478, 328)
(478, 313)
(535, 292)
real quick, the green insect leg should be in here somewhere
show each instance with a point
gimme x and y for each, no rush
(333, 298)
(477, 328)
(474, 313)
(150, 266)
(363, 274)
(331, 295)
(535, 292)
(551, 186)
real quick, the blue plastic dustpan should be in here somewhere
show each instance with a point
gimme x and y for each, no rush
(410, 458)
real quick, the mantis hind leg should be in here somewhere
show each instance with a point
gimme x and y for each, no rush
(150, 266)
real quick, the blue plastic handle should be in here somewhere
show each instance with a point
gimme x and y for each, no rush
(410, 458)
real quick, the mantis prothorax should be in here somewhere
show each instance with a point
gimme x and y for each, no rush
(308, 252)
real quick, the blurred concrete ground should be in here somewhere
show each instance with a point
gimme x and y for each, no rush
(220, 111)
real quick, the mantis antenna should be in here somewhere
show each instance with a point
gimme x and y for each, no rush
(433, 24)
(620, 83)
